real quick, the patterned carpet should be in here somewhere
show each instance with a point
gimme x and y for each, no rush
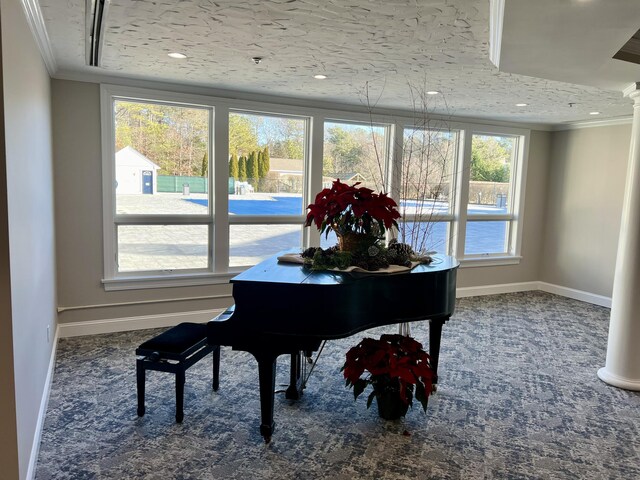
(518, 398)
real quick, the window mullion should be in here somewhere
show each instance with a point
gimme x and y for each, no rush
(462, 174)
(161, 219)
(311, 236)
(219, 197)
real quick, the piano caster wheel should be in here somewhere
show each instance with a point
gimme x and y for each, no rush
(141, 411)
(309, 360)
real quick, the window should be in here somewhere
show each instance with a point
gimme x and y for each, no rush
(197, 188)
(491, 196)
(157, 188)
(460, 192)
(354, 152)
(266, 184)
(425, 185)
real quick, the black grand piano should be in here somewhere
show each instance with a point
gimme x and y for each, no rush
(284, 308)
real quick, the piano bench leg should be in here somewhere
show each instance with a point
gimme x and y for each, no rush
(180, 380)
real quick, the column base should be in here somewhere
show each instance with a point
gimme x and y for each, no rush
(617, 381)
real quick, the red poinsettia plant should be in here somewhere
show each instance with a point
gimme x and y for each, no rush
(352, 209)
(393, 363)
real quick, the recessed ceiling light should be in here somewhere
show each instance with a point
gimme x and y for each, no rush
(522, 104)
(594, 113)
(320, 76)
(433, 92)
(177, 55)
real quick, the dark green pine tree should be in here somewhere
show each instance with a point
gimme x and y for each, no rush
(242, 169)
(204, 168)
(261, 172)
(252, 168)
(233, 166)
(266, 161)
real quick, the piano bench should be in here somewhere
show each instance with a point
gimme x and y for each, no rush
(174, 351)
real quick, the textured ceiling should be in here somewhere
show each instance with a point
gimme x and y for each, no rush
(387, 44)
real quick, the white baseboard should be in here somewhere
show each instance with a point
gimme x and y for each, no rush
(575, 294)
(495, 289)
(42, 413)
(111, 325)
(581, 295)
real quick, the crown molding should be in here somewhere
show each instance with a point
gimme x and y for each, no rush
(496, 18)
(39, 30)
(594, 123)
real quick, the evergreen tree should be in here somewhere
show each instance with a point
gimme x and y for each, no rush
(233, 166)
(204, 168)
(242, 169)
(266, 161)
(261, 171)
(252, 168)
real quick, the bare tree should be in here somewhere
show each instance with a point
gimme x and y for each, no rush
(422, 178)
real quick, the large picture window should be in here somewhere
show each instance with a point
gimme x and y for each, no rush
(426, 189)
(198, 188)
(160, 160)
(266, 185)
(490, 200)
(354, 152)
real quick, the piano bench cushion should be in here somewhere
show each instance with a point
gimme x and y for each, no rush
(177, 340)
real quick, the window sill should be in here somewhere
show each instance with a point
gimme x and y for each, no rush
(166, 281)
(490, 261)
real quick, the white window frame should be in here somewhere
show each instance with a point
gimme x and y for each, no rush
(459, 218)
(218, 219)
(516, 198)
(276, 219)
(114, 280)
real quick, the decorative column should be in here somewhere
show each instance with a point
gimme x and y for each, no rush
(622, 368)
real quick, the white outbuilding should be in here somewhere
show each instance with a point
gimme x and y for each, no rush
(135, 173)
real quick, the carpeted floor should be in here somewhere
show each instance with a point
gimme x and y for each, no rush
(518, 398)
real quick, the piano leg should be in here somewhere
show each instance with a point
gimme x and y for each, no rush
(435, 334)
(267, 378)
(294, 391)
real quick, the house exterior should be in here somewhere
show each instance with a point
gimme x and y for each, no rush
(135, 173)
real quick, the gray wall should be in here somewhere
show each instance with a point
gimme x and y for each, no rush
(29, 190)
(8, 427)
(584, 206)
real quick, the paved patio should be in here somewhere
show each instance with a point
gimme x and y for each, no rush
(171, 247)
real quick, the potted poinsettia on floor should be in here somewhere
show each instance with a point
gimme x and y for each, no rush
(397, 368)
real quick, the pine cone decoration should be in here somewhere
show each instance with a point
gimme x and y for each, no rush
(400, 253)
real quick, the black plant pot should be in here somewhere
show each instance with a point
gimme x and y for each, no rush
(390, 405)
